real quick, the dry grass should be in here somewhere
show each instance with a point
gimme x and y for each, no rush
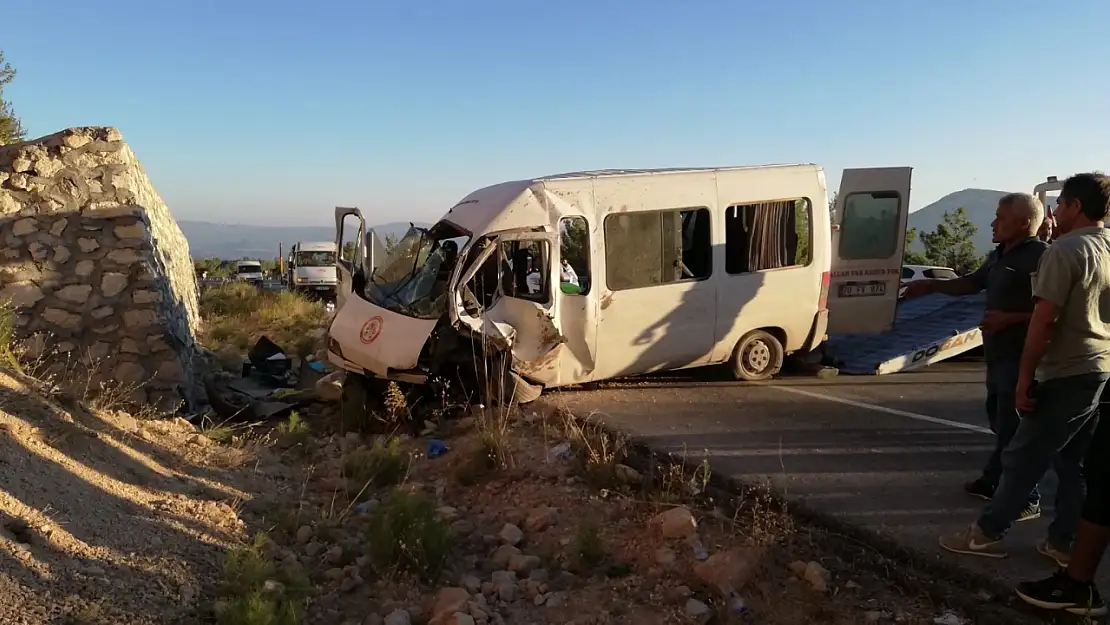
(236, 314)
(70, 377)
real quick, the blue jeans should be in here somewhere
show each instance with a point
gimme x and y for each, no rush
(1002, 376)
(1055, 434)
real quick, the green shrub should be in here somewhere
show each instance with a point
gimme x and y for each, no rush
(384, 464)
(406, 534)
(245, 597)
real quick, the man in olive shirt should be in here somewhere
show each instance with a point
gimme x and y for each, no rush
(1067, 349)
(1073, 318)
(1006, 276)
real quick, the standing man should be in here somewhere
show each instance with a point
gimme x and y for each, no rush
(1006, 276)
(1067, 350)
(1075, 318)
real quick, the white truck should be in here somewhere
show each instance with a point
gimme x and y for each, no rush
(638, 271)
(312, 269)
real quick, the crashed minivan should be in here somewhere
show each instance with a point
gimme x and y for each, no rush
(576, 278)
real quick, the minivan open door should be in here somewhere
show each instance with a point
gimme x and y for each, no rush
(347, 268)
(868, 241)
(523, 324)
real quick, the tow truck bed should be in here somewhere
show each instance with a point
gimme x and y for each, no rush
(926, 330)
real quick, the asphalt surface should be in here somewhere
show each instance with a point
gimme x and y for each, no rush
(889, 453)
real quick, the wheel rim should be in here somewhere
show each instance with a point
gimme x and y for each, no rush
(757, 356)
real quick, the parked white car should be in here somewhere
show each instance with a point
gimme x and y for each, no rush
(913, 273)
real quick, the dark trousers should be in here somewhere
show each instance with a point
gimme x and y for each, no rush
(1096, 471)
(1002, 376)
(1057, 433)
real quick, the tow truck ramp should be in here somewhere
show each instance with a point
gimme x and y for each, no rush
(926, 330)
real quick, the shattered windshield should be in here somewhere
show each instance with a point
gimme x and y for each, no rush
(413, 279)
(315, 259)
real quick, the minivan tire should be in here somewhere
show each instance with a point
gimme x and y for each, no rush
(506, 387)
(758, 356)
(523, 391)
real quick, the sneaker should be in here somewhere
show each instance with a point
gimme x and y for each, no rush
(980, 488)
(1031, 511)
(1061, 557)
(972, 541)
(1061, 592)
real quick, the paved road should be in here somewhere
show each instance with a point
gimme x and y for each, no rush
(886, 452)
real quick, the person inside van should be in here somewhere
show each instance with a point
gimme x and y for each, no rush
(569, 275)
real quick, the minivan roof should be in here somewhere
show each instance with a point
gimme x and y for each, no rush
(606, 173)
(485, 209)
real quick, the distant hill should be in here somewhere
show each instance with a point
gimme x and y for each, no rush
(979, 204)
(231, 241)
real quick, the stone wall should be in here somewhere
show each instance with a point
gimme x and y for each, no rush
(95, 266)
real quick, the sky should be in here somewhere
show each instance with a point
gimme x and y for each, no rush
(273, 112)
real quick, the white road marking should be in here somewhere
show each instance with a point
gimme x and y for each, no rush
(877, 408)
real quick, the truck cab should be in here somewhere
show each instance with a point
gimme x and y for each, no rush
(312, 269)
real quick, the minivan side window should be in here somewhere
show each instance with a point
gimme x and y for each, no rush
(529, 265)
(574, 254)
(768, 235)
(658, 247)
(869, 229)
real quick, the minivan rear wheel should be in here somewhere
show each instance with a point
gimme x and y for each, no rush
(758, 356)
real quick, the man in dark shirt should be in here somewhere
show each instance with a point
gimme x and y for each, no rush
(1006, 276)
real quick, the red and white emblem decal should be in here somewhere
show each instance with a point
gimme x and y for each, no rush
(370, 330)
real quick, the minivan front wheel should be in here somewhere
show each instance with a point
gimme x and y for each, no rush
(758, 356)
(502, 386)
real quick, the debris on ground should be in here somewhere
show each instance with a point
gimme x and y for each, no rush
(490, 517)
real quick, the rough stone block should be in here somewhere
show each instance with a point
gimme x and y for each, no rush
(110, 265)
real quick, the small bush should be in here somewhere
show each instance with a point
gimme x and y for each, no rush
(490, 454)
(589, 548)
(255, 591)
(8, 359)
(294, 432)
(384, 464)
(406, 534)
(597, 451)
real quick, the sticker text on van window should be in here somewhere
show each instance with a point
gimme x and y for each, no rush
(370, 330)
(867, 272)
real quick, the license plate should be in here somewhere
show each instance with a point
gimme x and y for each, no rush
(862, 289)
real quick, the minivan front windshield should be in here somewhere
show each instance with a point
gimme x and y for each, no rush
(413, 279)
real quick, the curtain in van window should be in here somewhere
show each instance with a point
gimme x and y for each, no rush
(772, 235)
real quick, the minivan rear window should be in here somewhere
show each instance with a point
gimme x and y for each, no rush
(940, 274)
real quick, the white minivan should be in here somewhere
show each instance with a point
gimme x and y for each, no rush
(584, 277)
(249, 271)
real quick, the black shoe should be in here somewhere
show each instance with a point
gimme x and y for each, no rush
(980, 488)
(1061, 592)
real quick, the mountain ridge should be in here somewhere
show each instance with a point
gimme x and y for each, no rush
(232, 241)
